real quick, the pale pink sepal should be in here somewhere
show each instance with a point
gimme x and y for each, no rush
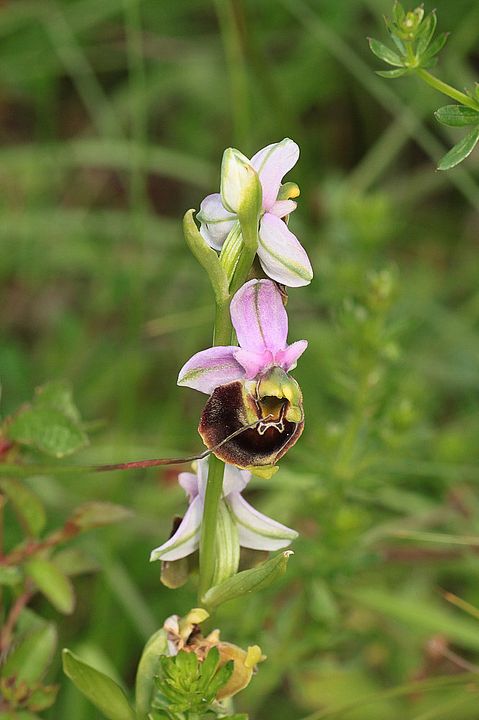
(272, 163)
(186, 539)
(216, 221)
(258, 531)
(281, 208)
(288, 358)
(281, 255)
(208, 369)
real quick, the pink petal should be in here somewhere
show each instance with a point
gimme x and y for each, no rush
(288, 358)
(216, 221)
(281, 255)
(252, 362)
(211, 368)
(281, 208)
(272, 163)
(186, 539)
(259, 317)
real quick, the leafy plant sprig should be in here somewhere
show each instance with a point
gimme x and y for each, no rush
(415, 53)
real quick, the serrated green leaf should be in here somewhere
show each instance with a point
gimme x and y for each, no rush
(10, 575)
(435, 47)
(384, 53)
(148, 667)
(457, 115)
(28, 507)
(32, 656)
(248, 581)
(391, 73)
(48, 430)
(98, 514)
(100, 689)
(460, 151)
(425, 33)
(57, 395)
(52, 583)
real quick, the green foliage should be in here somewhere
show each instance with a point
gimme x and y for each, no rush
(189, 686)
(54, 584)
(100, 689)
(460, 151)
(248, 581)
(51, 424)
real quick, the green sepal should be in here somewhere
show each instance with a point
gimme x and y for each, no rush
(100, 689)
(384, 53)
(425, 33)
(435, 47)
(460, 151)
(147, 670)
(247, 581)
(52, 583)
(457, 115)
(27, 505)
(206, 256)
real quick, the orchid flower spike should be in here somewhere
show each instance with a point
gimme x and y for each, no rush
(250, 382)
(250, 528)
(280, 253)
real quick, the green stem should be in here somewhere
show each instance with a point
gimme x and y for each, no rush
(446, 89)
(214, 486)
(249, 233)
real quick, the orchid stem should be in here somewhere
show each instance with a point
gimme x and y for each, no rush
(221, 336)
(446, 89)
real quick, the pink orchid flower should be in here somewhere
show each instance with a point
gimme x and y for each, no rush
(280, 253)
(254, 530)
(250, 383)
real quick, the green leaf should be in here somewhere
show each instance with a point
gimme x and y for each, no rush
(100, 689)
(207, 257)
(28, 507)
(52, 583)
(460, 151)
(10, 575)
(148, 667)
(248, 581)
(98, 514)
(32, 656)
(384, 53)
(435, 47)
(51, 423)
(457, 115)
(425, 33)
(392, 73)
(420, 616)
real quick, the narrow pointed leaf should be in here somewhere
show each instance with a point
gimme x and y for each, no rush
(460, 151)
(457, 115)
(248, 581)
(100, 689)
(206, 256)
(98, 514)
(27, 505)
(31, 658)
(52, 583)
(426, 32)
(384, 53)
(148, 668)
(435, 47)
(392, 73)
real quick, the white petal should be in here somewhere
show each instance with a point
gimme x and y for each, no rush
(189, 483)
(186, 539)
(281, 255)
(234, 479)
(258, 531)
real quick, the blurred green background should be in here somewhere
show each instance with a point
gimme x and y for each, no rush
(113, 119)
